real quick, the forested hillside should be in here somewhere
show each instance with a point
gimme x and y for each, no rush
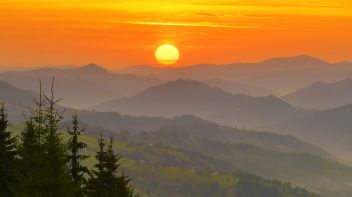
(156, 170)
(38, 158)
(211, 148)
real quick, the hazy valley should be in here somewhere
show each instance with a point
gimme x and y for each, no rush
(209, 128)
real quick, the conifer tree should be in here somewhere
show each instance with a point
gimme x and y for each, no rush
(106, 180)
(58, 177)
(7, 156)
(31, 174)
(95, 185)
(43, 153)
(120, 185)
(77, 170)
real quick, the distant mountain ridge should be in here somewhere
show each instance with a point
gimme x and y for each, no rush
(81, 86)
(15, 96)
(238, 88)
(191, 97)
(321, 95)
(281, 75)
(15, 99)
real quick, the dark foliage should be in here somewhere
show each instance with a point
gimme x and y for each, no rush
(7, 156)
(76, 169)
(42, 152)
(253, 186)
(106, 181)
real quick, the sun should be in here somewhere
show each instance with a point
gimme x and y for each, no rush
(167, 54)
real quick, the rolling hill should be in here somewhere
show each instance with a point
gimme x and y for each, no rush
(16, 100)
(238, 88)
(305, 170)
(322, 95)
(330, 129)
(183, 97)
(193, 126)
(158, 170)
(15, 96)
(180, 149)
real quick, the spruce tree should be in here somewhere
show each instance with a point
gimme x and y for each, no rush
(58, 177)
(95, 185)
(43, 153)
(7, 156)
(31, 173)
(77, 170)
(119, 185)
(106, 180)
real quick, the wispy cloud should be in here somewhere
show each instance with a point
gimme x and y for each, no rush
(275, 3)
(207, 14)
(200, 24)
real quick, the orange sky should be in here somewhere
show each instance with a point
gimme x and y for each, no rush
(118, 33)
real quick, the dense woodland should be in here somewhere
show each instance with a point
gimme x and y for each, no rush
(40, 162)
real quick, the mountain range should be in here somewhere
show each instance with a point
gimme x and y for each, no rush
(187, 97)
(281, 75)
(81, 87)
(86, 86)
(184, 97)
(163, 142)
(15, 98)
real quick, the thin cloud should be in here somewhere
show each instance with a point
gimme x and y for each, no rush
(207, 14)
(277, 4)
(211, 25)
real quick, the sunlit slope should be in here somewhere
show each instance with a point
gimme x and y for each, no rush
(161, 162)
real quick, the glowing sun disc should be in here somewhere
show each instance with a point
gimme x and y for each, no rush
(167, 54)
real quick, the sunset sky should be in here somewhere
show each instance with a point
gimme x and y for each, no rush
(118, 33)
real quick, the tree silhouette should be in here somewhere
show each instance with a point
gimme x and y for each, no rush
(43, 154)
(77, 170)
(7, 156)
(106, 180)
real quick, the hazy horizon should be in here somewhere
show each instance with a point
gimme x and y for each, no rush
(158, 66)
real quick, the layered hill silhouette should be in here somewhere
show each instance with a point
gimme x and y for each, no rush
(15, 96)
(330, 129)
(322, 95)
(314, 127)
(189, 142)
(238, 88)
(83, 86)
(18, 101)
(184, 97)
(281, 75)
(196, 127)
(203, 144)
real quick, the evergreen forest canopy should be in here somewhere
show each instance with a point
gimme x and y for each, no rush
(40, 162)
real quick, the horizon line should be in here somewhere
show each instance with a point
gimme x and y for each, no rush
(70, 66)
